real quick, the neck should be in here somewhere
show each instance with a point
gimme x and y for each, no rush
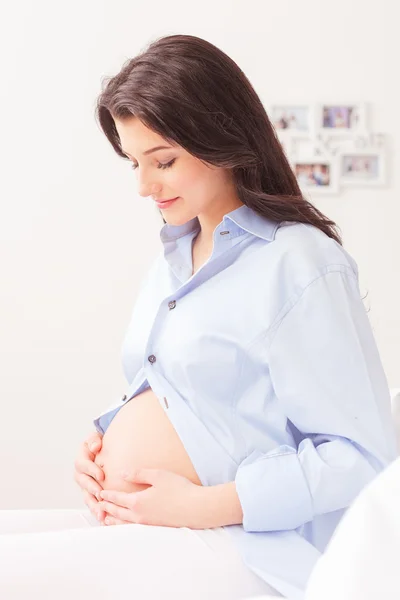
(208, 222)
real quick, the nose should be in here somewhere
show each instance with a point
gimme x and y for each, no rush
(147, 184)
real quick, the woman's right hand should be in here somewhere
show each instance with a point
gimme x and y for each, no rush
(88, 475)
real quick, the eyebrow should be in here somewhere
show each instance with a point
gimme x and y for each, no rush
(150, 150)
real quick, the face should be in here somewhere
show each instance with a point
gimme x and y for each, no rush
(202, 190)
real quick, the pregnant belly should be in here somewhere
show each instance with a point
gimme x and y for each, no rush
(141, 435)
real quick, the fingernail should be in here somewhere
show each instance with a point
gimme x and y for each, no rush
(93, 446)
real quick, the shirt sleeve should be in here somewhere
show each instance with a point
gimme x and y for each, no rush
(328, 379)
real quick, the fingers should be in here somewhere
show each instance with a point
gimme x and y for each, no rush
(93, 505)
(88, 484)
(88, 474)
(124, 499)
(120, 513)
(94, 442)
(88, 467)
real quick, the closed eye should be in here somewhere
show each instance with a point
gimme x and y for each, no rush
(159, 166)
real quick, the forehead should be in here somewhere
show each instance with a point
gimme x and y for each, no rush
(136, 137)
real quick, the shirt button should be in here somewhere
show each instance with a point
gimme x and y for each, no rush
(171, 304)
(124, 397)
(152, 358)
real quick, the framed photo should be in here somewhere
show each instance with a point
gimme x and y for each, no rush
(292, 119)
(341, 119)
(316, 175)
(360, 167)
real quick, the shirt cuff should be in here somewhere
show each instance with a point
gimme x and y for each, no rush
(273, 491)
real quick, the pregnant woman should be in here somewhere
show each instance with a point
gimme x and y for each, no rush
(257, 407)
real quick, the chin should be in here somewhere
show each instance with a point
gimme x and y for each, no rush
(177, 219)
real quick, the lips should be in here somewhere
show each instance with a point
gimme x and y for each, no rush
(162, 201)
(165, 203)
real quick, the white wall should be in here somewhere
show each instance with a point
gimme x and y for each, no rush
(75, 240)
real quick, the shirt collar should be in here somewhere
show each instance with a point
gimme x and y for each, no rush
(240, 220)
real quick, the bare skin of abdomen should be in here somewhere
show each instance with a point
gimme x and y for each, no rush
(141, 435)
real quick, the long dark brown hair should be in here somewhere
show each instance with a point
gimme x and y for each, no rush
(191, 93)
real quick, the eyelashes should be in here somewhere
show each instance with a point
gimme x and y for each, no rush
(167, 165)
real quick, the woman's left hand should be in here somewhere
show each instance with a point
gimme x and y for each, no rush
(170, 500)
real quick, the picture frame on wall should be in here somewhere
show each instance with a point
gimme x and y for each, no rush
(316, 175)
(341, 119)
(292, 120)
(329, 145)
(363, 167)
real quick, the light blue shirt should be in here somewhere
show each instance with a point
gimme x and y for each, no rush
(265, 363)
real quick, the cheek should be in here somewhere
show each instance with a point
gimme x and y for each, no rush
(185, 177)
(195, 183)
